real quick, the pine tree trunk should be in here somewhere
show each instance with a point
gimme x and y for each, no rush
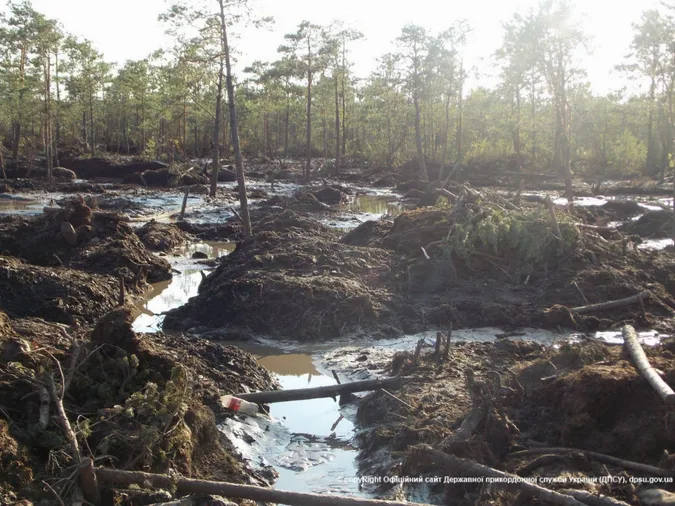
(309, 111)
(418, 129)
(344, 99)
(234, 129)
(216, 133)
(337, 127)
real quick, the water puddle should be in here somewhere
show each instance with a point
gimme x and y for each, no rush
(364, 208)
(184, 284)
(19, 205)
(655, 244)
(309, 443)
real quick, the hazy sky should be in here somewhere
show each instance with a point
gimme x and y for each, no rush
(128, 29)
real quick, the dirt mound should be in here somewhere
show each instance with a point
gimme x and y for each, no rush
(330, 196)
(652, 225)
(211, 231)
(55, 293)
(291, 280)
(161, 236)
(368, 233)
(141, 404)
(88, 168)
(78, 238)
(487, 401)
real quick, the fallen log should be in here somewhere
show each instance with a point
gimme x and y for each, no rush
(469, 468)
(601, 457)
(301, 394)
(612, 304)
(592, 499)
(643, 366)
(190, 486)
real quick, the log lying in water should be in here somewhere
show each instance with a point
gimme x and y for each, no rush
(637, 355)
(602, 306)
(302, 394)
(260, 494)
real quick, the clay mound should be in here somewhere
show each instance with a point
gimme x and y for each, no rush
(290, 282)
(606, 408)
(143, 401)
(97, 242)
(161, 236)
(415, 229)
(369, 233)
(652, 225)
(56, 294)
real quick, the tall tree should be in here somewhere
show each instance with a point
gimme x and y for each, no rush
(305, 45)
(414, 42)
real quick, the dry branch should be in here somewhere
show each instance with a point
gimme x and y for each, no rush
(181, 217)
(643, 366)
(300, 394)
(260, 494)
(592, 499)
(601, 457)
(554, 220)
(466, 467)
(470, 424)
(612, 304)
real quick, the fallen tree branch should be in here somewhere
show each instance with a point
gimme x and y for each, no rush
(600, 457)
(183, 207)
(554, 220)
(612, 304)
(301, 394)
(442, 192)
(592, 499)
(466, 467)
(190, 486)
(470, 424)
(643, 366)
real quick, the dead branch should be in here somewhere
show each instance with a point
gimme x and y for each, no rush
(260, 494)
(612, 304)
(600, 457)
(643, 366)
(470, 424)
(418, 350)
(554, 220)
(442, 192)
(234, 211)
(44, 407)
(387, 392)
(181, 217)
(320, 392)
(466, 467)
(592, 499)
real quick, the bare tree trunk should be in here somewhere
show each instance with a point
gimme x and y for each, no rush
(234, 129)
(516, 140)
(460, 103)
(344, 98)
(446, 136)
(57, 108)
(216, 133)
(418, 126)
(17, 125)
(48, 118)
(309, 110)
(337, 126)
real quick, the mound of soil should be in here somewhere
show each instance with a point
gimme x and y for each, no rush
(538, 397)
(56, 293)
(78, 238)
(161, 236)
(652, 225)
(139, 404)
(369, 233)
(291, 280)
(211, 231)
(89, 168)
(330, 196)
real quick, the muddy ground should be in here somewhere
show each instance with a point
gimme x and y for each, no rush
(473, 258)
(474, 264)
(143, 402)
(524, 396)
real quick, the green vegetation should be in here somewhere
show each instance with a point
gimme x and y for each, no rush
(58, 92)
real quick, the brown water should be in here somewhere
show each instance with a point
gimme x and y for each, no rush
(184, 284)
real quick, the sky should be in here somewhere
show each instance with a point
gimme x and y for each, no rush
(128, 29)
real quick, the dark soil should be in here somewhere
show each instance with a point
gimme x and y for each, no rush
(652, 225)
(137, 402)
(161, 236)
(294, 279)
(103, 243)
(581, 396)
